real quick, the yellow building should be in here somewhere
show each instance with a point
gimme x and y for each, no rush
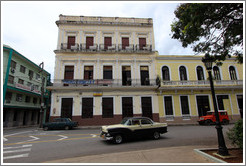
(106, 69)
(185, 94)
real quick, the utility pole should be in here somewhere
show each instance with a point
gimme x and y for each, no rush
(42, 96)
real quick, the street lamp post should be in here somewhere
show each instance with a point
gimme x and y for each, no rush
(42, 96)
(208, 61)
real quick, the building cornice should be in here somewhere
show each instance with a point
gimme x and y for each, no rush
(90, 20)
(183, 57)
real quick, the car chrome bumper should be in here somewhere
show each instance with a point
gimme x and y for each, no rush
(108, 138)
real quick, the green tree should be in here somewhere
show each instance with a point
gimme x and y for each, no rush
(235, 134)
(210, 28)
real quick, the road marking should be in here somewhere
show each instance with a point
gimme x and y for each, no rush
(93, 135)
(45, 135)
(16, 151)
(16, 133)
(5, 139)
(16, 156)
(63, 137)
(34, 138)
(23, 146)
(48, 141)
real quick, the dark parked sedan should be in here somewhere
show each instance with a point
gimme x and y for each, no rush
(60, 123)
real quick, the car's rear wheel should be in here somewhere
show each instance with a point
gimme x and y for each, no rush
(118, 139)
(46, 128)
(156, 135)
(67, 127)
(225, 121)
(208, 122)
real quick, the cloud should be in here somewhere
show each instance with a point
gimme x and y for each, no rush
(29, 26)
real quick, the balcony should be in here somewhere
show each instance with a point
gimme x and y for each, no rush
(103, 47)
(82, 47)
(129, 48)
(201, 84)
(104, 84)
(66, 46)
(144, 48)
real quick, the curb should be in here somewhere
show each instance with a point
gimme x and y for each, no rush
(199, 151)
(92, 127)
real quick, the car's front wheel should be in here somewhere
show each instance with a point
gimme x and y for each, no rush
(156, 135)
(118, 139)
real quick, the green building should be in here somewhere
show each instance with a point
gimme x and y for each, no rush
(22, 87)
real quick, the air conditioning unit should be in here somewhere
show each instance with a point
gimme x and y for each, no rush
(19, 99)
(12, 70)
(32, 87)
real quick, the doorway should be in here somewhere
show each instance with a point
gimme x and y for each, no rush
(202, 105)
(240, 104)
(127, 107)
(24, 118)
(220, 101)
(67, 108)
(147, 107)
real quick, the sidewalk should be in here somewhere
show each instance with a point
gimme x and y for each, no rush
(182, 154)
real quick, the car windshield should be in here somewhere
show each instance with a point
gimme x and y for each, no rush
(210, 113)
(125, 122)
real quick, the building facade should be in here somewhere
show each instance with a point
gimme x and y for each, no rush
(22, 89)
(107, 68)
(185, 95)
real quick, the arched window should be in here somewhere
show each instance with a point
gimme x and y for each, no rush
(216, 73)
(182, 73)
(165, 73)
(233, 73)
(199, 72)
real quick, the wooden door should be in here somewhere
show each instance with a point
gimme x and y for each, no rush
(144, 74)
(67, 108)
(125, 42)
(70, 41)
(127, 107)
(89, 42)
(107, 42)
(142, 43)
(203, 105)
(147, 107)
(87, 107)
(69, 72)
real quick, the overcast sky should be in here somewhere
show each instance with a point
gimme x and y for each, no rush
(29, 27)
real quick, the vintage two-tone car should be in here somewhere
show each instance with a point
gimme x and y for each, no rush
(133, 127)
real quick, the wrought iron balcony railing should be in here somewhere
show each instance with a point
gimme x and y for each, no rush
(129, 47)
(201, 82)
(82, 47)
(146, 47)
(65, 46)
(86, 47)
(103, 47)
(105, 82)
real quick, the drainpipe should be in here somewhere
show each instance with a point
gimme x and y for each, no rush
(7, 75)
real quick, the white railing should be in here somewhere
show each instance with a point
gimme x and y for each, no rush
(201, 82)
(104, 82)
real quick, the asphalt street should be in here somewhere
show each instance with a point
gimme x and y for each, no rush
(33, 145)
